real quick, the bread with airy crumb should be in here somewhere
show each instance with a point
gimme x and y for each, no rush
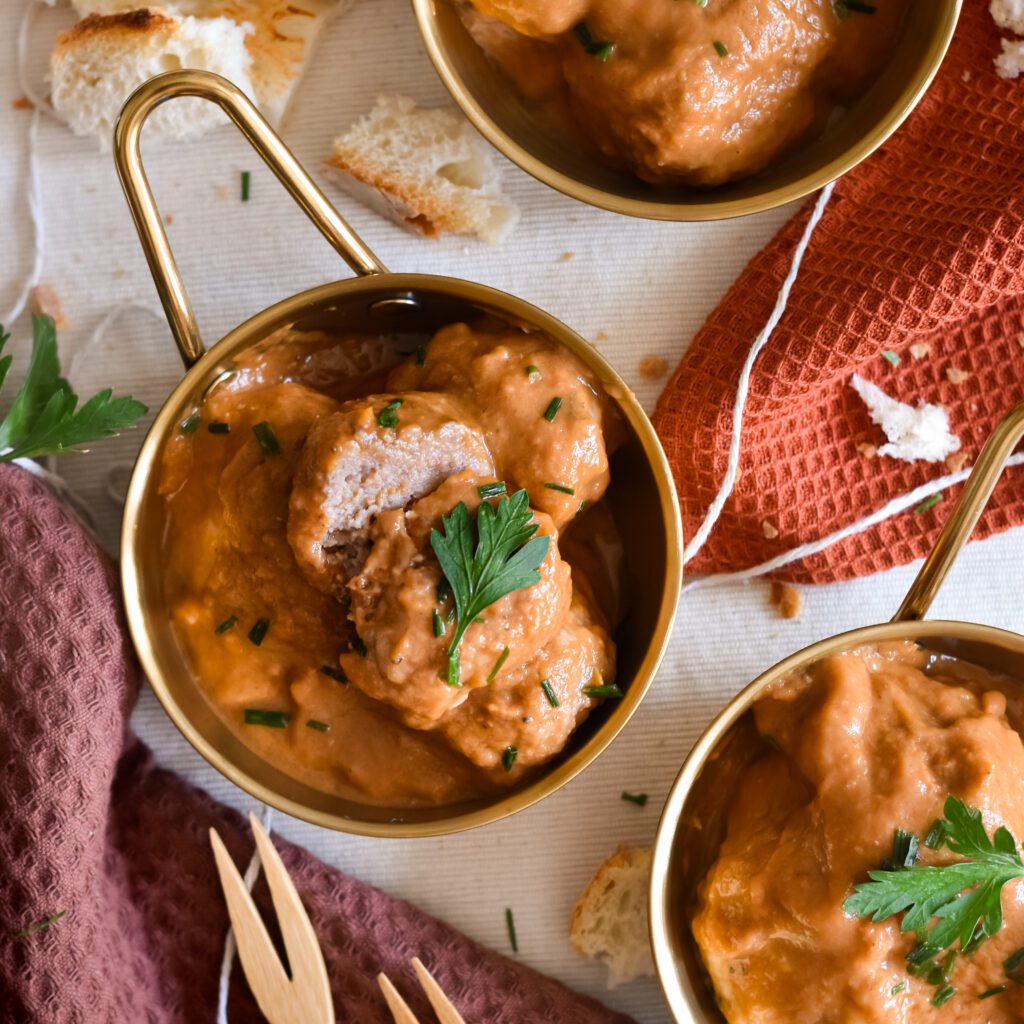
(101, 60)
(427, 169)
(609, 921)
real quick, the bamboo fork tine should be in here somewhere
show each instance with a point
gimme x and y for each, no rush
(446, 1012)
(400, 1011)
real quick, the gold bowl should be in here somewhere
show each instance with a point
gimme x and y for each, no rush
(542, 148)
(694, 818)
(642, 496)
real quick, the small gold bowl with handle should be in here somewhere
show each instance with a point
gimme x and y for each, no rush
(543, 147)
(694, 819)
(641, 497)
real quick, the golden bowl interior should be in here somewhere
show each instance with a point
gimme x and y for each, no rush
(642, 498)
(543, 147)
(693, 823)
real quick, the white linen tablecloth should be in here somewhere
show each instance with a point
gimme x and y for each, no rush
(635, 288)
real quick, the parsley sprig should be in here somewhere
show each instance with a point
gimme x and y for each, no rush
(44, 418)
(485, 559)
(963, 898)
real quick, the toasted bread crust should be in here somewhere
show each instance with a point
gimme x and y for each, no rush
(145, 20)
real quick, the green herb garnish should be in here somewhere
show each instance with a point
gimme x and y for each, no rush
(259, 631)
(904, 851)
(897, 989)
(388, 416)
(890, 357)
(333, 672)
(40, 925)
(936, 837)
(943, 996)
(545, 685)
(493, 490)
(509, 758)
(421, 355)
(190, 424)
(601, 50)
(963, 897)
(640, 799)
(602, 691)
(1013, 967)
(358, 646)
(532, 370)
(771, 740)
(271, 719)
(552, 410)
(928, 503)
(229, 623)
(443, 591)
(44, 418)
(502, 658)
(990, 992)
(485, 559)
(319, 726)
(510, 924)
(246, 182)
(720, 48)
(438, 624)
(844, 8)
(560, 487)
(218, 428)
(267, 438)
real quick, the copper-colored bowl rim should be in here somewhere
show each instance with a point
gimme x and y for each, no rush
(712, 209)
(664, 918)
(285, 312)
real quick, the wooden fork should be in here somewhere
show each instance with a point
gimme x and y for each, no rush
(305, 998)
(446, 1013)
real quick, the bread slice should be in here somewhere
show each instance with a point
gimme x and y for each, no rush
(99, 62)
(609, 921)
(427, 169)
(281, 37)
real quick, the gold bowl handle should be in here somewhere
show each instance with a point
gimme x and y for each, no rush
(275, 154)
(964, 517)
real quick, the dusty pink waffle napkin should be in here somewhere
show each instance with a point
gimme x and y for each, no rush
(89, 825)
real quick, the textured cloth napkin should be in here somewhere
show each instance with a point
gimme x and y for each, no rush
(90, 826)
(923, 244)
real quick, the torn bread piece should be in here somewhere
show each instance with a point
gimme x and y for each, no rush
(914, 433)
(427, 169)
(609, 921)
(101, 60)
(280, 38)
(1008, 14)
(1010, 63)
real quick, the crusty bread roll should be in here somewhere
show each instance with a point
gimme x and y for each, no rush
(426, 169)
(609, 921)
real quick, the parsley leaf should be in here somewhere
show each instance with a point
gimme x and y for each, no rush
(964, 898)
(44, 418)
(486, 559)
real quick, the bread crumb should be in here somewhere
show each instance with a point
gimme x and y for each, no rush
(913, 433)
(956, 376)
(168, 219)
(1020, 340)
(920, 350)
(43, 301)
(21, 103)
(769, 529)
(1008, 14)
(957, 461)
(787, 599)
(653, 367)
(868, 450)
(120, 272)
(603, 336)
(1010, 63)
(222, 192)
(965, 77)
(567, 257)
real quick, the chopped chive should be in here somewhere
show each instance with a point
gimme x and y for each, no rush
(531, 370)
(229, 623)
(259, 631)
(700, 3)
(640, 799)
(246, 182)
(453, 675)
(502, 658)
(314, 723)
(936, 836)
(1013, 961)
(552, 410)
(491, 490)
(510, 924)
(720, 48)
(333, 672)
(990, 992)
(218, 428)
(771, 740)
(904, 851)
(388, 416)
(271, 719)
(845, 7)
(358, 646)
(444, 590)
(582, 506)
(943, 996)
(897, 989)
(267, 438)
(600, 50)
(421, 355)
(190, 424)
(450, 617)
(560, 487)
(602, 691)
(928, 503)
(890, 357)
(438, 624)
(509, 758)
(545, 685)
(39, 925)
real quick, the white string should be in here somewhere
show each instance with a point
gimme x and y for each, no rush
(887, 511)
(230, 947)
(729, 480)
